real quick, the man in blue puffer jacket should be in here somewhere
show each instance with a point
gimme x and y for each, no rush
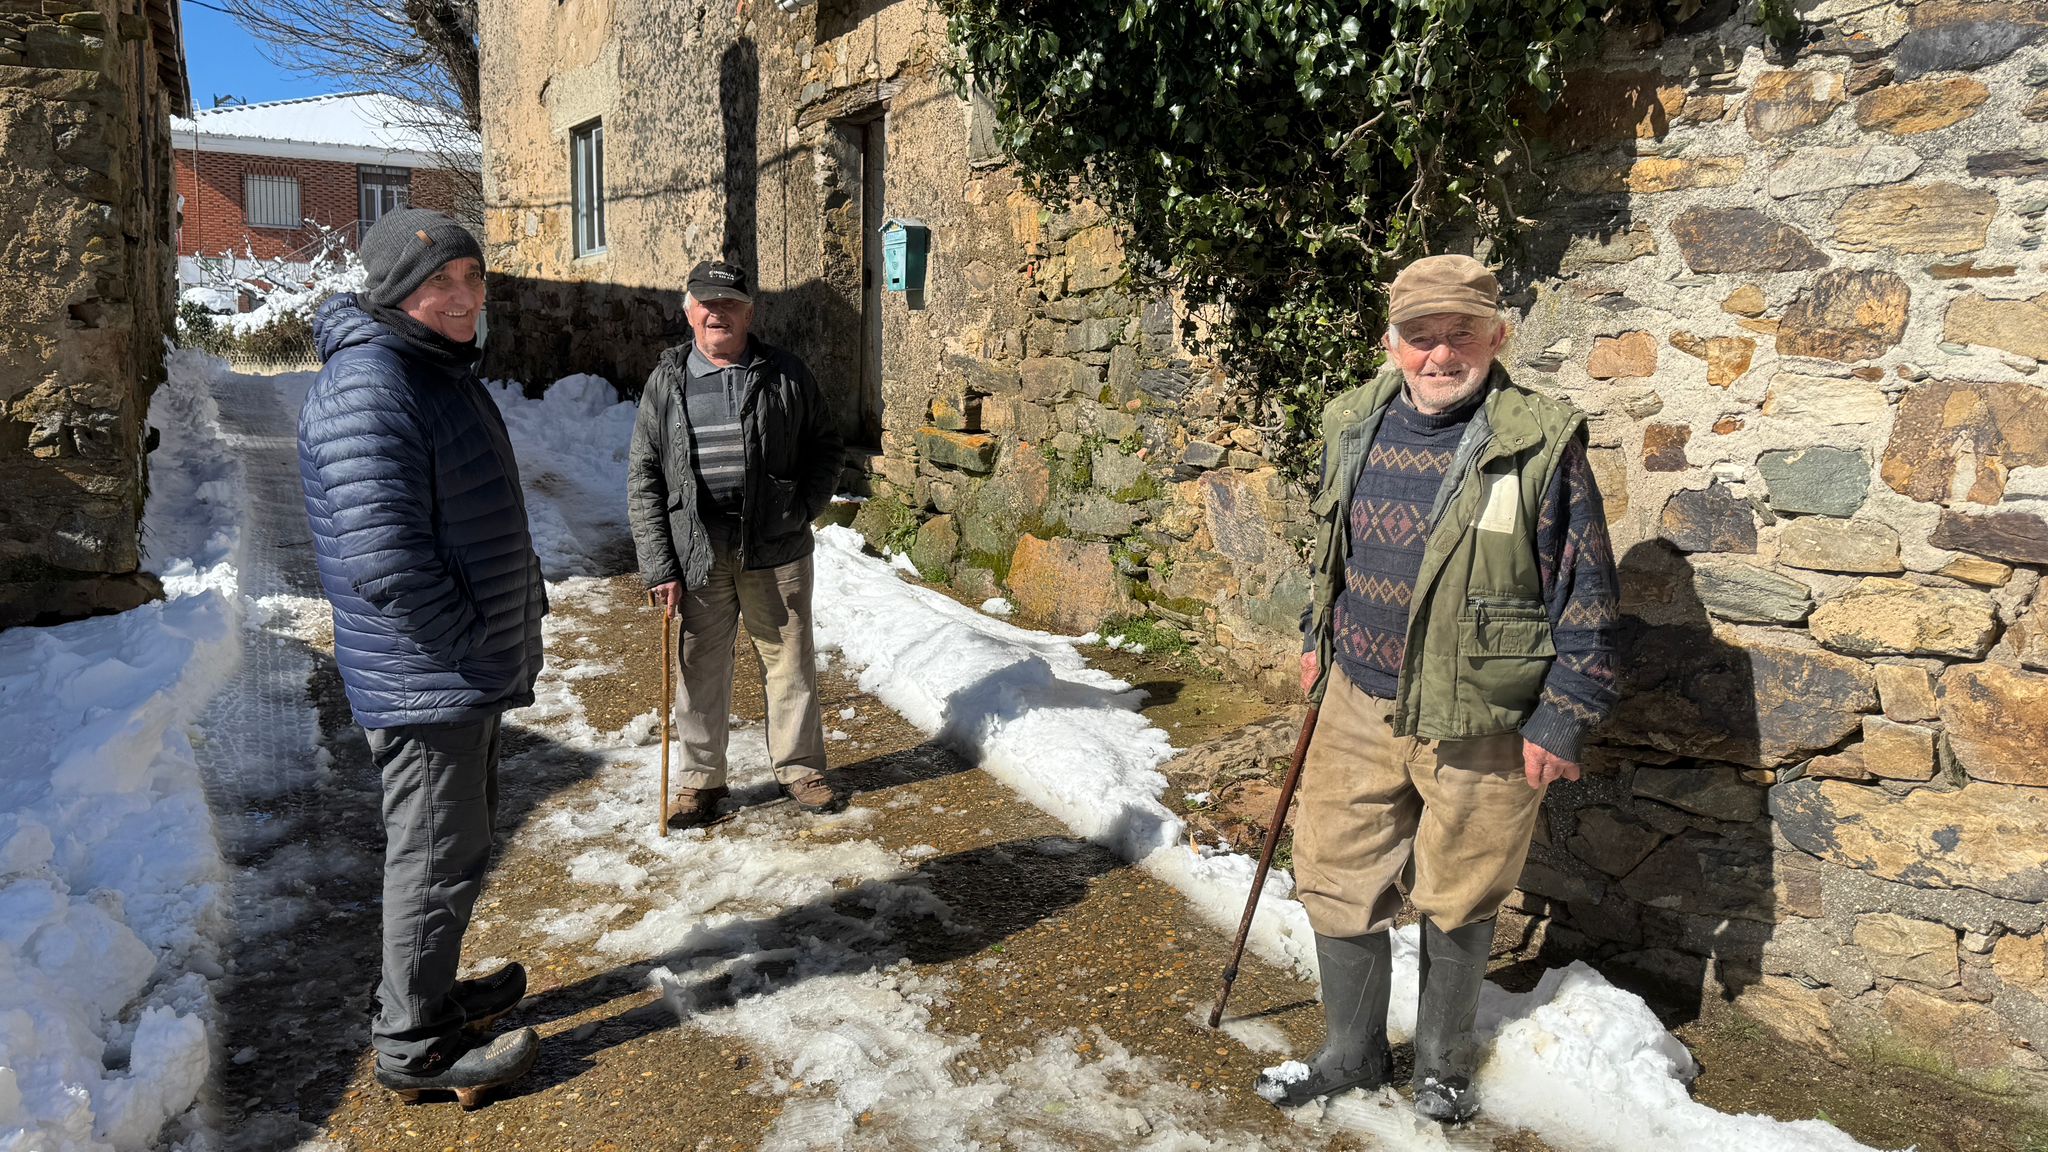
(419, 526)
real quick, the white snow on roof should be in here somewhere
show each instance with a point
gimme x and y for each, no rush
(346, 120)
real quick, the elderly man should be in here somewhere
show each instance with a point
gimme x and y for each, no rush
(419, 528)
(1458, 639)
(734, 454)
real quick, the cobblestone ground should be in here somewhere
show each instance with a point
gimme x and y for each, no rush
(1046, 948)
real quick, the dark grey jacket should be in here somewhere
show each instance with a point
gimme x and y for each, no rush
(793, 457)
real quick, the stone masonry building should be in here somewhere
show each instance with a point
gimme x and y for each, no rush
(87, 90)
(1803, 300)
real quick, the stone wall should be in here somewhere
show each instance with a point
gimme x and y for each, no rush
(1038, 428)
(86, 94)
(1803, 302)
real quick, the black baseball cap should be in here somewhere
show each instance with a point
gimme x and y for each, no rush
(717, 280)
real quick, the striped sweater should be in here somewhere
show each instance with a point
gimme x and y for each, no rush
(1388, 523)
(712, 397)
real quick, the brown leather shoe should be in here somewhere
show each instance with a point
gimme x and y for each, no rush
(813, 794)
(695, 806)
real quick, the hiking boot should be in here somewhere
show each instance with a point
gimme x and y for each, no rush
(1356, 972)
(695, 806)
(486, 998)
(1452, 971)
(468, 1074)
(812, 794)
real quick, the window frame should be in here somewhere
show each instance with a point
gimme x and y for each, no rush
(275, 182)
(586, 189)
(383, 177)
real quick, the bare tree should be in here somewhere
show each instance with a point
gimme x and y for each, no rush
(421, 51)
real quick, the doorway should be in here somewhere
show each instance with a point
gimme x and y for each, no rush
(874, 193)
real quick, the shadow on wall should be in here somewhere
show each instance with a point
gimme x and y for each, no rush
(838, 17)
(739, 107)
(1660, 860)
(543, 330)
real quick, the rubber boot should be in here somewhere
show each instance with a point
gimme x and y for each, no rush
(470, 1074)
(1356, 973)
(486, 998)
(1453, 969)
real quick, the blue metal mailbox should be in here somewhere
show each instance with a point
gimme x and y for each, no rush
(905, 244)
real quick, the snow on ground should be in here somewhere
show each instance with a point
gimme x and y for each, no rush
(576, 485)
(773, 937)
(1580, 1062)
(110, 876)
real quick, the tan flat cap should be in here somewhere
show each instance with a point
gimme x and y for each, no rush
(1432, 284)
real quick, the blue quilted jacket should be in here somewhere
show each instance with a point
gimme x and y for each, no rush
(419, 526)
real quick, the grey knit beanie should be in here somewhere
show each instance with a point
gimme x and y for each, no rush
(405, 247)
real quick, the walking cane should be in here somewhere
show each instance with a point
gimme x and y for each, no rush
(667, 631)
(1251, 906)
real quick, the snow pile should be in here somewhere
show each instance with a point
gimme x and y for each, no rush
(110, 878)
(1588, 1066)
(412, 134)
(572, 445)
(294, 299)
(1024, 705)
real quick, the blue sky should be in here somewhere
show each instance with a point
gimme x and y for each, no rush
(223, 60)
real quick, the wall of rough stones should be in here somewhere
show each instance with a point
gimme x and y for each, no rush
(1805, 303)
(1802, 299)
(86, 93)
(1040, 429)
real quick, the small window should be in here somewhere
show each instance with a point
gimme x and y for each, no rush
(271, 201)
(586, 186)
(381, 189)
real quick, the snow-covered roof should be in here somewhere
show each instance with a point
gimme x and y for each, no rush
(358, 127)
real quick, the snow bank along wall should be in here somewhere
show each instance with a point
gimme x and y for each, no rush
(1802, 299)
(87, 90)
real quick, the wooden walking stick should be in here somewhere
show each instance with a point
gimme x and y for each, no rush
(667, 635)
(1251, 906)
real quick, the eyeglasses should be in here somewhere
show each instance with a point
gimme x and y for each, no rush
(1462, 340)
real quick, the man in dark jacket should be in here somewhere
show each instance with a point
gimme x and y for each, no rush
(734, 454)
(419, 526)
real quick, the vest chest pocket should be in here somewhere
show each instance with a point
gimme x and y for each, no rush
(1329, 526)
(1493, 626)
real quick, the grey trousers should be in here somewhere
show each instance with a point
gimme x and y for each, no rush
(440, 805)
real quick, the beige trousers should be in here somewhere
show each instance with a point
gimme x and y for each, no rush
(775, 604)
(1448, 821)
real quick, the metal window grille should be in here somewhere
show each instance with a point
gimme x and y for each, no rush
(271, 201)
(381, 189)
(586, 186)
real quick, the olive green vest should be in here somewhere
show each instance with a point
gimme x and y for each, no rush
(1479, 639)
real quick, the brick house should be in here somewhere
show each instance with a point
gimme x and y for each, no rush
(255, 179)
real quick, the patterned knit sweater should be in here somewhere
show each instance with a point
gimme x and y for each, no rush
(1388, 519)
